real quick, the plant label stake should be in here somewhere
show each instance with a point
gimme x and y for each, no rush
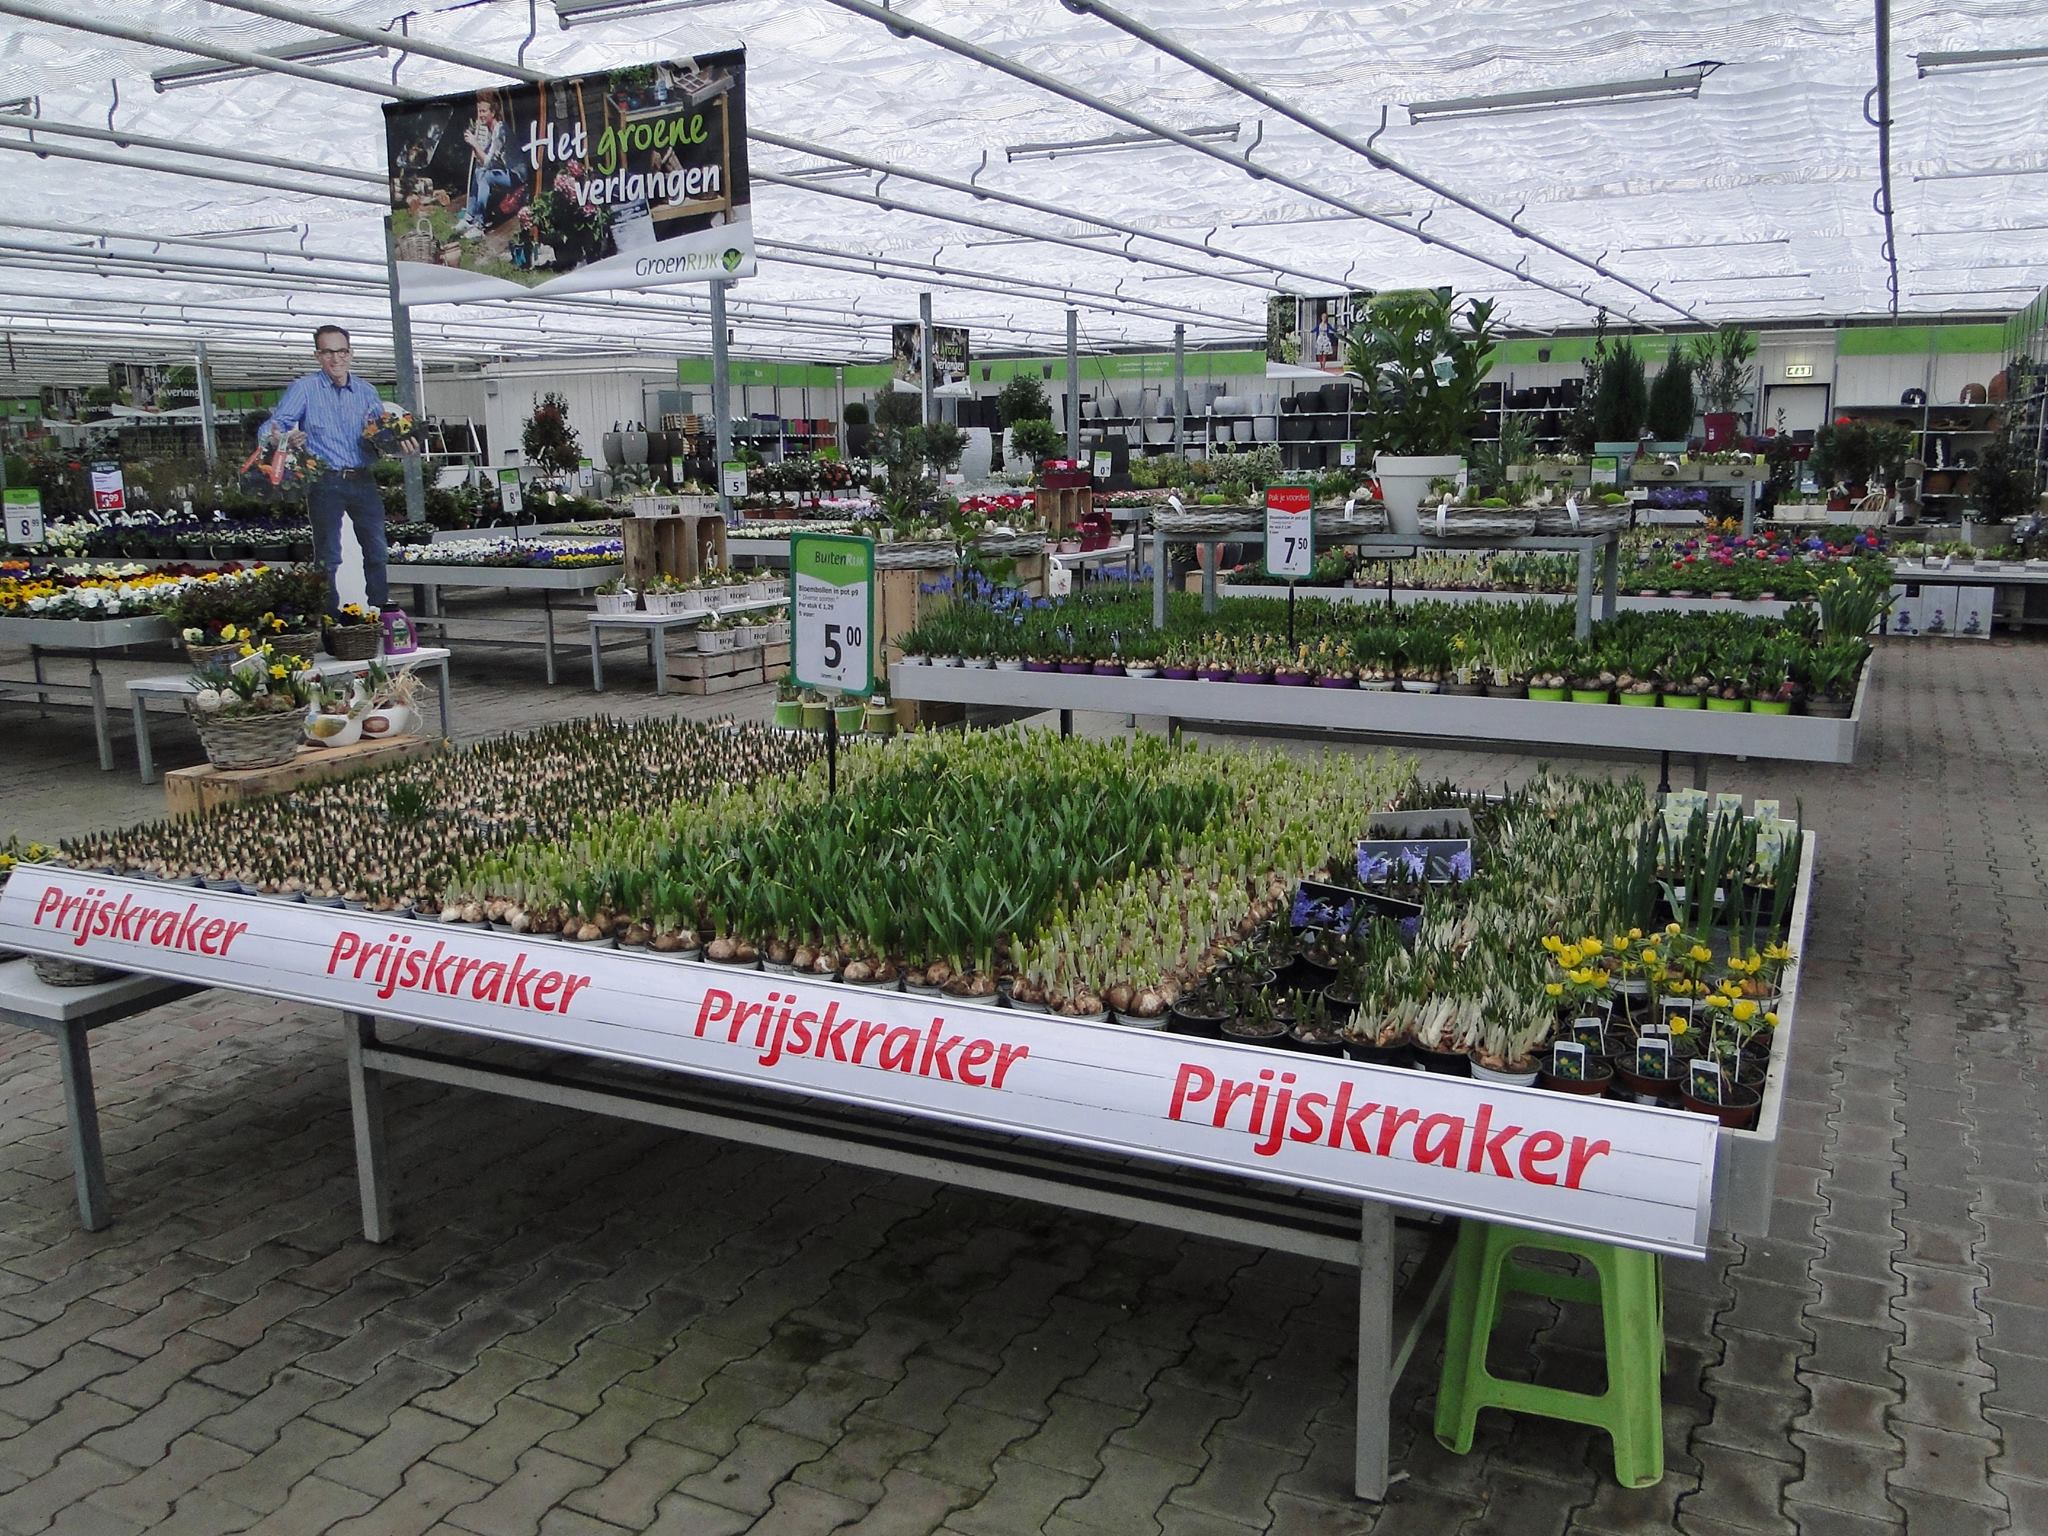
(1290, 540)
(832, 608)
(509, 496)
(585, 472)
(24, 516)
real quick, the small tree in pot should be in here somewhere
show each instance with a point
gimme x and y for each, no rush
(1724, 379)
(1671, 402)
(1421, 361)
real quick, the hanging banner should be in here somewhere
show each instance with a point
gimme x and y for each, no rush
(1557, 1162)
(631, 178)
(949, 353)
(1312, 333)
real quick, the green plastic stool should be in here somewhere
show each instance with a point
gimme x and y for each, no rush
(1630, 1293)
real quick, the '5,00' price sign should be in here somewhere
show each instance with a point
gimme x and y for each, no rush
(832, 587)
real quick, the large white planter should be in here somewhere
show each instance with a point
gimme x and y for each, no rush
(1403, 480)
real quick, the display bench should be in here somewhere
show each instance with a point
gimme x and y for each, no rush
(1137, 1124)
(429, 581)
(1510, 724)
(1603, 549)
(88, 638)
(653, 629)
(1624, 603)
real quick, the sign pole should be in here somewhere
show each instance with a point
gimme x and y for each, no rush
(1074, 385)
(1290, 613)
(832, 753)
(721, 394)
(924, 355)
(1180, 391)
(408, 378)
(202, 371)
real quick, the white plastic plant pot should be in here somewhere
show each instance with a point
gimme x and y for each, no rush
(390, 720)
(334, 730)
(1403, 480)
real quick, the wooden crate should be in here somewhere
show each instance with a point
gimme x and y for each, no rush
(751, 677)
(681, 544)
(697, 667)
(1062, 508)
(206, 787)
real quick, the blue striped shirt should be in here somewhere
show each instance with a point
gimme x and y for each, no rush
(331, 415)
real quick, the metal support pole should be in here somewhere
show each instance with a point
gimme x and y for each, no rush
(366, 1109)
(1376, 1369)
(839, 411)
(1180, 391)
(209, 440)
(1074, 385)
(408, 378)
(721, 393)
(924, 355)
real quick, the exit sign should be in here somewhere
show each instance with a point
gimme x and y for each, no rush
(1799, 370)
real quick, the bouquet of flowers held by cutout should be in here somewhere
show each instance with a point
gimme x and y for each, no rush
(388, 429)
(278, 471)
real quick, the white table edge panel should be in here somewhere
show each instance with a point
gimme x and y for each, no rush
(580, 578)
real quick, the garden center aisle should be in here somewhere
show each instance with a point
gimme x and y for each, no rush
(617, 1329)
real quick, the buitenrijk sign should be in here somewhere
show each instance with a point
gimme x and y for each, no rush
(1609, 1171)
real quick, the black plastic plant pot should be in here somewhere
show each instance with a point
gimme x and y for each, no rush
(1368, 1053)
(1737, 1110)
(1244, 1032)
(1311, 975)
(1202, 1025)
(1326, 1044)
(1644, 1089)
(1340, 1004)
(1598, 1079)
(1443, 1063)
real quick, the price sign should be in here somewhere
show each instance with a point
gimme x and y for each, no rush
(1606, 469)
(24, 516)
(676, 474)
(1103, 463)
(508, 492)
(109, 490)
(586, 474)
(832, 579)
(1290, 533)
(733, 477)
(1347, 455)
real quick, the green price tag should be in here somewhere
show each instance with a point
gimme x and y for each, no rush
(832, 586)
(24, 510)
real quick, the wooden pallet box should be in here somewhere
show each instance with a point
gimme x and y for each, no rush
(205, 787)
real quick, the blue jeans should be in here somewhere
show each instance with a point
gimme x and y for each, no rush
(483, 181)
(326, 500)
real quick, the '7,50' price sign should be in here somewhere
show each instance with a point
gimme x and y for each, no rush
(1290, 534)
(832, 589)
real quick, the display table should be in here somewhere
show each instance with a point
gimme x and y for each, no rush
(1402, 596)
(66, 1014)
(77, 637)
(178, 687)
(1603, 548)
(1092, 1116)
(1510, 724)
(428, 582)
(654, 629)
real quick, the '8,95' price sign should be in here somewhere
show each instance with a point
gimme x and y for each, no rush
(1290, 536)
(832, 592)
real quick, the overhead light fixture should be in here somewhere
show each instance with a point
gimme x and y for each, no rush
(1972, 293)
(1983, 58)
(1109, 143)
(576, 13)
(1702, 245)
(1106, 234)
(1776, 298)
(1613, 94)
(1989, 229)
(2032, 170)
(1321, 218)
(315, 51)
(1742, 277)
(825, 173)
(21, 106)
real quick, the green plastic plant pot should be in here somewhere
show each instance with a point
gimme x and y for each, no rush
(1548, 695)
(1771, 707)
(815, 716)
(1681, 701)
(849, 718)
(789, 714)
(1729, 706)
(1637, 700)
(1586, 695)
(879, 722)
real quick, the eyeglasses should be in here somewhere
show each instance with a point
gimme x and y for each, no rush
(335, 351)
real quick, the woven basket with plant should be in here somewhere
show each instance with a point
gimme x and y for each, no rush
(251, 714)
(354, 633)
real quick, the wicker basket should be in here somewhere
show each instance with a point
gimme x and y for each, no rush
(1555, 522)
(213, 655)
(303, 643)
(417, 243)
(1333, 527)
(1207, 521)
(354, 642)
(927, 555)
(249, 741)
(1468, 523)
(1017, 545)
(54, 972)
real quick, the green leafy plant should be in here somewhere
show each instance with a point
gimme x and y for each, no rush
(1021, 399)
(1421, 359)
(1721, 362)
(1671, 401)
(1621, 398)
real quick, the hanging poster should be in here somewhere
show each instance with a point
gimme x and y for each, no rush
(949, 353)
(1312, 332)
(109, 487)
(630, 178)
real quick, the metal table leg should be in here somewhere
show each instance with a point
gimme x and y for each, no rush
(1158, 580)
(35, 656)
(1215, 548)
(444, 691)
(1066, 722)
(1583, 625)
(657, 656)
(366, 1109)
(1610, 577)
(1699, 770)
(1376, 1370)
(96, 680)
(596, 658)
(547, 607)
(82, 1129)
(144, 759)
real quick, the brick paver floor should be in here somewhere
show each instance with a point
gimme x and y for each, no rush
(591, 1327)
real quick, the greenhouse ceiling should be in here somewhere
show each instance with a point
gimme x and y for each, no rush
(1152, 164)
